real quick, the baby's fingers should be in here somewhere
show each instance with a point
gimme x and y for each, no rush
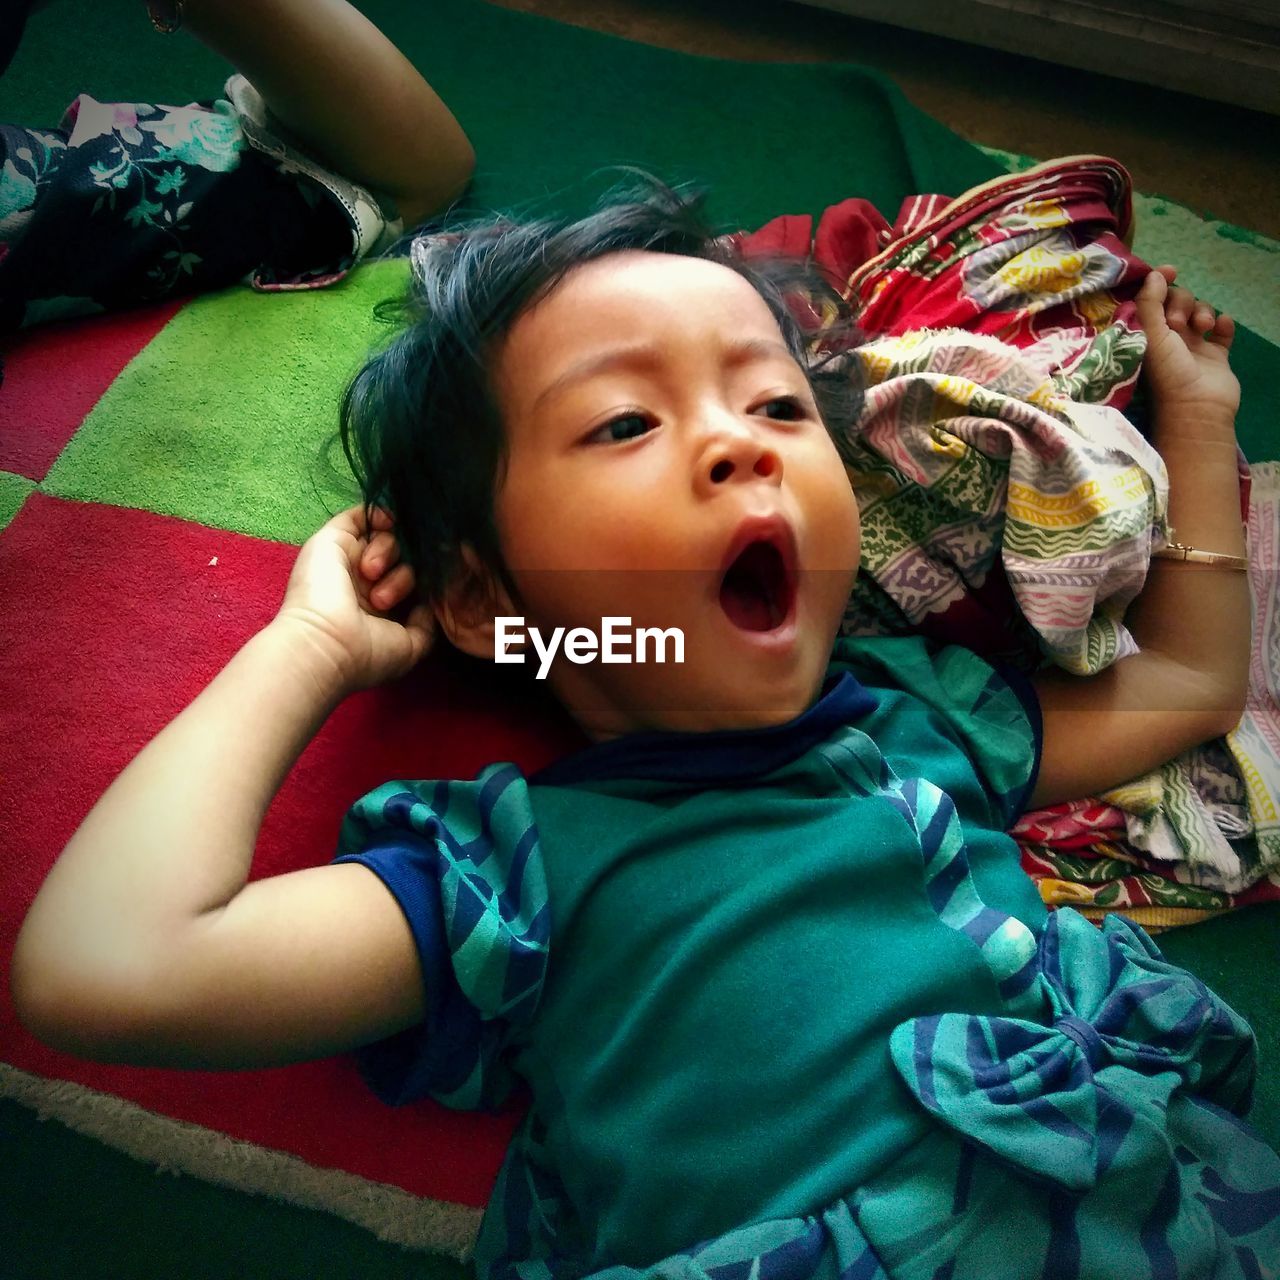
(1150, 301)
(1223, 332)
(1179, 308)
(382, 552)
(379, 517)
(392, 589)
(1192, 316)
(1203, 318)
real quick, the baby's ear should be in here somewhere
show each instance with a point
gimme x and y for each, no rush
(471, 602)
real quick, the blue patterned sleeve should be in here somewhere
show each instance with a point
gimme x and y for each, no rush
(462, 860)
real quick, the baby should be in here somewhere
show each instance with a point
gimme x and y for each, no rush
(784, 1000)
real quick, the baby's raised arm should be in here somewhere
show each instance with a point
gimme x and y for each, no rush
(1188, 683)
(146, 945)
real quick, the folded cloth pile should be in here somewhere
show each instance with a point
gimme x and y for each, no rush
(1201, 835)
(1008, 504)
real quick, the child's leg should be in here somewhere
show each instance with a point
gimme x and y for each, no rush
(128, 203)
(13, 21)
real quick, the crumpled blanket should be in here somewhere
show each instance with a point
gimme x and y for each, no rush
(1007, 502)
(968, 461)
(999, 482)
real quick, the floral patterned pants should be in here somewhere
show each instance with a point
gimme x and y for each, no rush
(126, 203)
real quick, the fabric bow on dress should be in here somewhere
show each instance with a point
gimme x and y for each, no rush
(1126, 1031)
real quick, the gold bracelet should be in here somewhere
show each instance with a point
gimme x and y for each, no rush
(165, 15)
(1181, 551)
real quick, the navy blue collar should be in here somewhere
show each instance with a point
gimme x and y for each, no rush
(723, 756)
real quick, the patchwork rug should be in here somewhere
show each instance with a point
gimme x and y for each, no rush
(158, 470)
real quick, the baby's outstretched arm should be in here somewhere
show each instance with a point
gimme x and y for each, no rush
(1192, 620)
(351, 97)
(146, 945)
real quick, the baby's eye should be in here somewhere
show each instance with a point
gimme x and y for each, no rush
(625, 426)
(784, 408)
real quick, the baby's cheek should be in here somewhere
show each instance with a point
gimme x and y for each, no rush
(837, 527)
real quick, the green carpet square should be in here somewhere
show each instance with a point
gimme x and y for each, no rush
(221, 419)
(13, 493)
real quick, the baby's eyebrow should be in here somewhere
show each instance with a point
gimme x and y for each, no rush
(733, 354)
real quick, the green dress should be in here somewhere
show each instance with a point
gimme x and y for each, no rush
(787, 1006)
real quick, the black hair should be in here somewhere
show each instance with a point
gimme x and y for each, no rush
(419, 423)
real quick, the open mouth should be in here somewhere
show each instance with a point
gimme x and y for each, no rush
(756, 591)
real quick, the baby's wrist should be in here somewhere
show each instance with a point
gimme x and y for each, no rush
(310, 656)
(1211, 426)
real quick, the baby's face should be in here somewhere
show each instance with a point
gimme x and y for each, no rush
(667, 463)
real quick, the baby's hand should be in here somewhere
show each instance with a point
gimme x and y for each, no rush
(1186, 365)
(345, 578)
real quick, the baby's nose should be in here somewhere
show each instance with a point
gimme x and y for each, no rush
(764, 463)
(733, 450)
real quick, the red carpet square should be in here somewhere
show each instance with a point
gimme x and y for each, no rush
(123, 618)
(80, 359)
